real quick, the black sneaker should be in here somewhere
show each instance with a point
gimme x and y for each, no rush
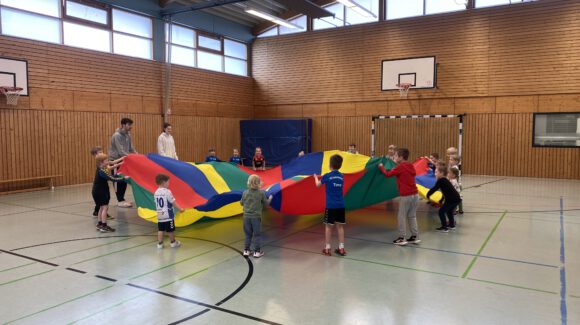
(400, 241)
(413, 240)
(442, 229)
(95, 213)
(452, 227)
(460, 211)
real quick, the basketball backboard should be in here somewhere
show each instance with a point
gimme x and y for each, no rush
(14, 73)
(421, 73)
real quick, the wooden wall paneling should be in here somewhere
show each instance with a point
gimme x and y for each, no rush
(559, 103)
(124, 103)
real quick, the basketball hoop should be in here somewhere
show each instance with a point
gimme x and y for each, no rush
(12, 94)
(403, 89)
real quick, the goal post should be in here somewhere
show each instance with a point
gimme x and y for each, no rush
(422, 134)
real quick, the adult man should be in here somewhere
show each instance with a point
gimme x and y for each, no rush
(165, 143)
(121, 146)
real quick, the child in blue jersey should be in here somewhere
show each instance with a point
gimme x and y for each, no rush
(236, 159)
(335, 209)
(164, 202)
(100, 191)
(211, 157)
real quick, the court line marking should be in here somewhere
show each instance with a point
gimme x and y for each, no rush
(419, 270)
(445, 251)
(563, 305)
(209, 306)
(365, 261)
(16, 267)
(115, 252)
(513, 285)
(178, 262)
(483, 245)
(107, 308)
(63, 303)
(480, 185)
(26, 277)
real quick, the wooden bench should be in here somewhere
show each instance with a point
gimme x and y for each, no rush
(49, 178)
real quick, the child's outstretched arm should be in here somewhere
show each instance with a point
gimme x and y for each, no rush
(393, 172)
(116, 162)
(264, 165)
(317, 181)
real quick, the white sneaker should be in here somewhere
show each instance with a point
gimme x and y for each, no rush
(247, 252)
(175, 244)
(124, 204)
(160, 246)
(258, 254)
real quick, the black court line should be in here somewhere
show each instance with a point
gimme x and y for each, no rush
(29, 258)
(480, 185)
(204, 304)
(105, 278)
(76, 270)
(208, 306)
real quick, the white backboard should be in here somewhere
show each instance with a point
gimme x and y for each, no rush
(421, 73)
(14, 73)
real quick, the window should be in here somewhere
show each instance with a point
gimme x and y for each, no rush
(270, 32)
(235, 66)
(132, 46)
(357, 16)
(133, 24)
(491, 3)
(200, 50)
(44, 7)
(32, 26)
(404, 8)
(440, 6)
(132, 34)
(209, 61)
(556, 130)
(182, 36)
(235, 49)
(87, 37)
(84, 12)
(80, 23)
(300, 21)
(330, 22)
(209, 43)
(182, 56)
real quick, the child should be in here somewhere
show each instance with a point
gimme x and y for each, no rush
(100, 191)
(391, 152)
(253, 201)
(211, 156)
(94, 152)
(450, 196)
(335, 212)
(455, 164)
(352, 149)
(301, 154)
(259, 162)
(453, 177)
(236, 159)
(405, 173)
(433, 159)
(451, 151)
(164, 202)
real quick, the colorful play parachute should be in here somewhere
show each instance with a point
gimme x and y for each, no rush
(214, 189)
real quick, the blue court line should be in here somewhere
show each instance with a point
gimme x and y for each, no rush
(452, 252)
(563, 308)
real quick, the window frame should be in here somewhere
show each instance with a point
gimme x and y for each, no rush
(76, 20)
(212, 36)
(535, 114)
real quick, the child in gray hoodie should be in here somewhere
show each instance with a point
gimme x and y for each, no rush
(253, 201)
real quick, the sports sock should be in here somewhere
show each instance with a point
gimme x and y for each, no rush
(341, 245)
(327, 246)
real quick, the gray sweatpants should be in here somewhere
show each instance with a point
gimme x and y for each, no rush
(408, 212)
(253, 229)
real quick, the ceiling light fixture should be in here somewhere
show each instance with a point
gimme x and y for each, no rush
(357, 8)
(274, 19)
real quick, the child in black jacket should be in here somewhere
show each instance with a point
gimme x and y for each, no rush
(451, 199)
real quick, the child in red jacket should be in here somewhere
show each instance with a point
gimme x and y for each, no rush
(405, 173)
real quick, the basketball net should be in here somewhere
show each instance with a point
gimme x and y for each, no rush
(404, 89)
(12, 94)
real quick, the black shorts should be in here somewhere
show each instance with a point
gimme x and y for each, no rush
(167, 226)
(101, 197)
(332, 216)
